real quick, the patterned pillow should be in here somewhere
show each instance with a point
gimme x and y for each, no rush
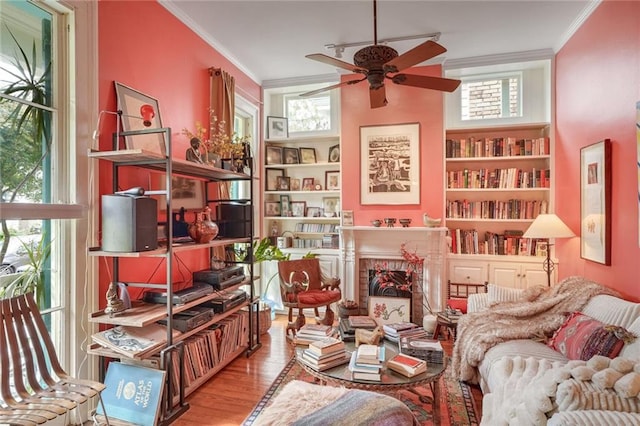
(582, 337)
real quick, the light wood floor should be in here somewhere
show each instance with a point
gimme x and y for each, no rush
(229, 396)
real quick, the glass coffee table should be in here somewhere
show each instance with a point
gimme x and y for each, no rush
(390, 383)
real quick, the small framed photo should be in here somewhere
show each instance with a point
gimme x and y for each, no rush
(314, 212)
(307, 184)
(346, 218)
(271, 181)
(295, 184)
(307, 155)
(291, 155)
(298, 208)
(273, 155)
(332, 180)
(283, 183)
(272, 208)
(285, 205)
(334, 154)
(331, 206)
(277, 127)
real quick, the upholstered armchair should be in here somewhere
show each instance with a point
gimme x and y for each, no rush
(302, 286)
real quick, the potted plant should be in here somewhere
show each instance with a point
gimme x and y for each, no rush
(32, 278)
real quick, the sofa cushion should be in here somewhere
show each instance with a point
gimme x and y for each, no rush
(503, 294)
(582, 337)
(612, 310)
(632, 350)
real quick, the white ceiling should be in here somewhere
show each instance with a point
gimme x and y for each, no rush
(268, 39)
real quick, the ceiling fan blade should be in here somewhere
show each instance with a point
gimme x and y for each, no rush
(320, 57)
(378, 97)
(324, 89)
(426, 82)
(420, 53)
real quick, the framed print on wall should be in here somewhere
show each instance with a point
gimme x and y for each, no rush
(130, 102)
(390, 164)
(277, 127)
(185, 192)
(595, 202)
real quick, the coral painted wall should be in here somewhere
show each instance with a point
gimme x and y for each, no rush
(597, 87)
(145, 47)
(406, 105)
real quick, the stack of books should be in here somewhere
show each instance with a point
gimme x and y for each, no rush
(349, 325)
(407, 365)
(423, 347)
(309, 333)
(366, 362)
(324, 354)
(392, 332)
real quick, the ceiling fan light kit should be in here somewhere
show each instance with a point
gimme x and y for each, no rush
(377, 61)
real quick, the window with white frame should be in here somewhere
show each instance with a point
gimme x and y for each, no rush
(36, 156)
(308, 114)
(491, 97)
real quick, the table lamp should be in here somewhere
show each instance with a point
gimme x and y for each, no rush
(548, 226)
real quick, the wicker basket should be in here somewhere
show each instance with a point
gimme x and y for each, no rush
(264, 318)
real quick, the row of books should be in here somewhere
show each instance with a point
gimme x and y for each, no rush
(496, 209)
(316, 227)
(496, 147)
(511, 177)
(306, 243)
(324, 354)
(511, 243)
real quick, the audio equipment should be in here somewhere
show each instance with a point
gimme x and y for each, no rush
(129, 223)
(190, 319)
(226, 301)
(180, 297)
(233, 220)
(217, 276)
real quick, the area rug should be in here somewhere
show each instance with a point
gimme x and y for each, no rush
(457, 406)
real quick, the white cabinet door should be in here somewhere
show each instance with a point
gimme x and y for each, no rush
(467, 271)
(534, 274)
(505, 274)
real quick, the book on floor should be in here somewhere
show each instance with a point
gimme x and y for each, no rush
(133, 341)
(326, 345)
(133, 393)
(316, 330)
(407, 365)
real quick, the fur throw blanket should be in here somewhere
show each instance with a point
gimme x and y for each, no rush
(540, 311)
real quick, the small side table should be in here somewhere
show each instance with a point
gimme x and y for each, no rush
(447, 320)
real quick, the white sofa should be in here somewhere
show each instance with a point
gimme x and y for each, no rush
(512, 373)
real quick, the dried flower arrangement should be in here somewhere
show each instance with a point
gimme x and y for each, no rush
(217, 141)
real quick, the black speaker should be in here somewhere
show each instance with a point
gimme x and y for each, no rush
(129, 223)
(234, 220)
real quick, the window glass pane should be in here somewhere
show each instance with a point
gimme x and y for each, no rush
(490, 98)
(308, 114)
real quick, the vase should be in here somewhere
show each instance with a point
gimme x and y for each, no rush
(429, 323)
(203, 229)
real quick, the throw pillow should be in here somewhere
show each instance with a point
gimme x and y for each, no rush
(460, 304)
(582, 337)
(503, 294)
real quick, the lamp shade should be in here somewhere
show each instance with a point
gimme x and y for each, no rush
(548, 226)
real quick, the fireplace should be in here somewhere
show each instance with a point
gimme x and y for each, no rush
(365, 249)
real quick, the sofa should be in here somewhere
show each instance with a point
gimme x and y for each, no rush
(527, 381)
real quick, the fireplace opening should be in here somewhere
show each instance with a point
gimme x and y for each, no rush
(389, 283)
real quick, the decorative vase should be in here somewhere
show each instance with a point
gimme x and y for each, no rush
(429, 323)
(203, 229)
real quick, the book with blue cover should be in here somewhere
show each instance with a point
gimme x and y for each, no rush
(133, 393)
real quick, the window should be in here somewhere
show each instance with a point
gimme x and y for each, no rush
(488, 98)
(309, 114)
(37, 167)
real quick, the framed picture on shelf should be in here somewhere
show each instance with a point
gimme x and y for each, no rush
(283, 183)
(277, 127)
(272, 208)
(298, 208)
(331, 206)
(285, 205)
(334, 154)
(271, 179)
(389, 310)
(291, 155)
(595, 202)
(314, 212)
(390, 164)
(295, 184)
(346, 218)
(307, 184)
(332, 180)
(185, 192)
(131, 102)
(307, 155)
(273, 155)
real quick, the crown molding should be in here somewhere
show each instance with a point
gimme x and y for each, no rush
(586, 12)
(503, 58)
(300, 81)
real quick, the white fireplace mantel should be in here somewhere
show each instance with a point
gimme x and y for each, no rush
(362, 242)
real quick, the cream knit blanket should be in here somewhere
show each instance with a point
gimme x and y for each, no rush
(539, 312)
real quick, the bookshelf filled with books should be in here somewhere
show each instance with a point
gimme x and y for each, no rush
(193, 333)
(497, 180)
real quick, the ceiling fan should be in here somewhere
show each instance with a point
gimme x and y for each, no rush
(376, 62)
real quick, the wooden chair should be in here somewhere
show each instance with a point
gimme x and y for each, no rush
(303, 286)
(34, 388)
(457, 293)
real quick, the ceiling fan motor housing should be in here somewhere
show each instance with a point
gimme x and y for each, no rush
(374, 57)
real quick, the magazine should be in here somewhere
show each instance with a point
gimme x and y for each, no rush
(133, 342)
